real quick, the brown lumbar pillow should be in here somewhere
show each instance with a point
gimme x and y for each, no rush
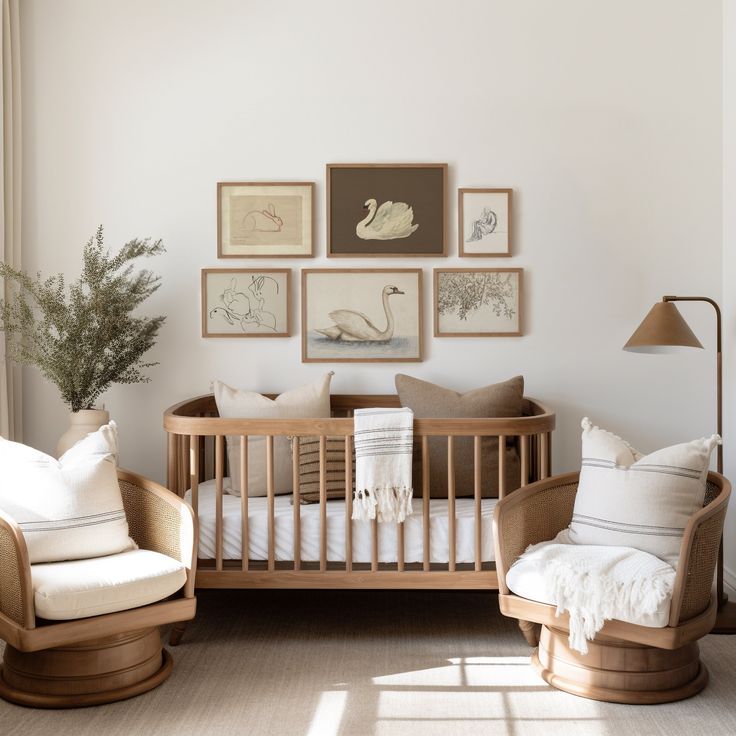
(428, 400)
(334, 468)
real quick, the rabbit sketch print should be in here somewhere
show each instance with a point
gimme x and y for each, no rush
(245, 303)
(268, 220)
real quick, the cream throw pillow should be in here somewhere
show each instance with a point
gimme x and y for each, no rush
(627, 499)
(68, 509)
(310, 401)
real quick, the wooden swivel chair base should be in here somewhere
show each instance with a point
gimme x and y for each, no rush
(626, 663)
(101, 659)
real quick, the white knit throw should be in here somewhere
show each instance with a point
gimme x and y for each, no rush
(383, 458)
(594, 584)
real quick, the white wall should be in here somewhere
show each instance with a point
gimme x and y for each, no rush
(604, 117)
(729, 277)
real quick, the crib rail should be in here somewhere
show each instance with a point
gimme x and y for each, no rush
(197, 452)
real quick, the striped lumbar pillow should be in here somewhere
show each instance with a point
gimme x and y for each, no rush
(334, 468)
(67, 509)
(627, 499)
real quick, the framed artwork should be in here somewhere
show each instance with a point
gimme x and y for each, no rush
(246, 302)
(361, 315)
(477, 302)
(484, 222)
(386, 210)
(265, 220)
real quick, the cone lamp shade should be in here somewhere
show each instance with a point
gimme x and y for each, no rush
(663, 330)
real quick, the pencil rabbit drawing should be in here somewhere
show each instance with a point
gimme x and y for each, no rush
(247, 310)
(263, 221)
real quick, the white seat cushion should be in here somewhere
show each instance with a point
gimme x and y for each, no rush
(529, 578)
(82, 588)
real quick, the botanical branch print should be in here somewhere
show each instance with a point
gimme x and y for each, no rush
(462, 293)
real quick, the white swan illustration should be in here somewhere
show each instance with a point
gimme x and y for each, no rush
(391, 220)
(356, 327)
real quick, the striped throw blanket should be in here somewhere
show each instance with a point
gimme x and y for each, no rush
(383, 458)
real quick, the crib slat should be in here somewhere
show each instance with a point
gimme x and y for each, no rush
(322, 503)
(171, 465)
(183, 464)
(501, 466)
(348, 504)
(374, 545)
(400, 547)
(271, 509)
(451, 500)
(425, 502)
(524, 460)
(194, 472)
(476, 493)
(544, 462)
(219, 464)
(244, 518)
(297, 505)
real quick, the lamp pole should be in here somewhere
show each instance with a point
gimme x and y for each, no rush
(726, 620)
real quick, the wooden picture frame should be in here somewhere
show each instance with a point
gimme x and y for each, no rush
(484, 222)
(265, 219)
(344, 311)
(246, 302)
(469, 302)
(408, 200)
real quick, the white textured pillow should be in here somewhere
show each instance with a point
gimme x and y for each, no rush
(309, 401)
(68, 509)
(627, 499)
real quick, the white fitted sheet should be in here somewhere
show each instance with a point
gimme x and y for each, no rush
(387, 544)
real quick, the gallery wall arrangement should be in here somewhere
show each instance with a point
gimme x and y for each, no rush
(373, 211)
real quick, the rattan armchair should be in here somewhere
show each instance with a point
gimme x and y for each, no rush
(99, 659)
(626, 663)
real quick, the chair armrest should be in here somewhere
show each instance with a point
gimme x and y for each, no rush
(159, 520)
(16, 587)
(529, 515)
(699, 554)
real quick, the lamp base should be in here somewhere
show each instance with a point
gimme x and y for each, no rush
(726, 619)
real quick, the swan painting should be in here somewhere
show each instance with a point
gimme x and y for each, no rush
(389, 221)
(353, 326)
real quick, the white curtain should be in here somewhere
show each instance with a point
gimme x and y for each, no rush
(10, 414)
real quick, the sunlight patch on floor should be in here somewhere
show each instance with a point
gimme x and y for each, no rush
(328, 715)
(469, 672)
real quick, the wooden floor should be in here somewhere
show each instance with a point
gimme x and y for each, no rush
(322, 663)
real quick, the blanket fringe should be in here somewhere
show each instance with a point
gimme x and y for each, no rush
(387, 503)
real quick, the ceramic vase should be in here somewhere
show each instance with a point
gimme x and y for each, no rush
(81, 423)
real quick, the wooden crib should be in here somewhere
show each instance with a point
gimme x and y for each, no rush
(196, 454)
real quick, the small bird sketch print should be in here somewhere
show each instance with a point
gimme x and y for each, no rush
(390, 221)
(248, 311)
(484, 225)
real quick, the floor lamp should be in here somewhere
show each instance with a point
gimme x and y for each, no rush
(662, 330)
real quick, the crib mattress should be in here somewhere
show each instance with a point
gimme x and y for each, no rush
(310, 526)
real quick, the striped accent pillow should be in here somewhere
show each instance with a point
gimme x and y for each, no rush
(334, 465)
(626, 499)
(67, 509)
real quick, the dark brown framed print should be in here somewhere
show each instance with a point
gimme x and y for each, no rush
(246, 302)
(484, 222)
(361, 315)
(377, 210)
(477, 302)
(265, 219)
